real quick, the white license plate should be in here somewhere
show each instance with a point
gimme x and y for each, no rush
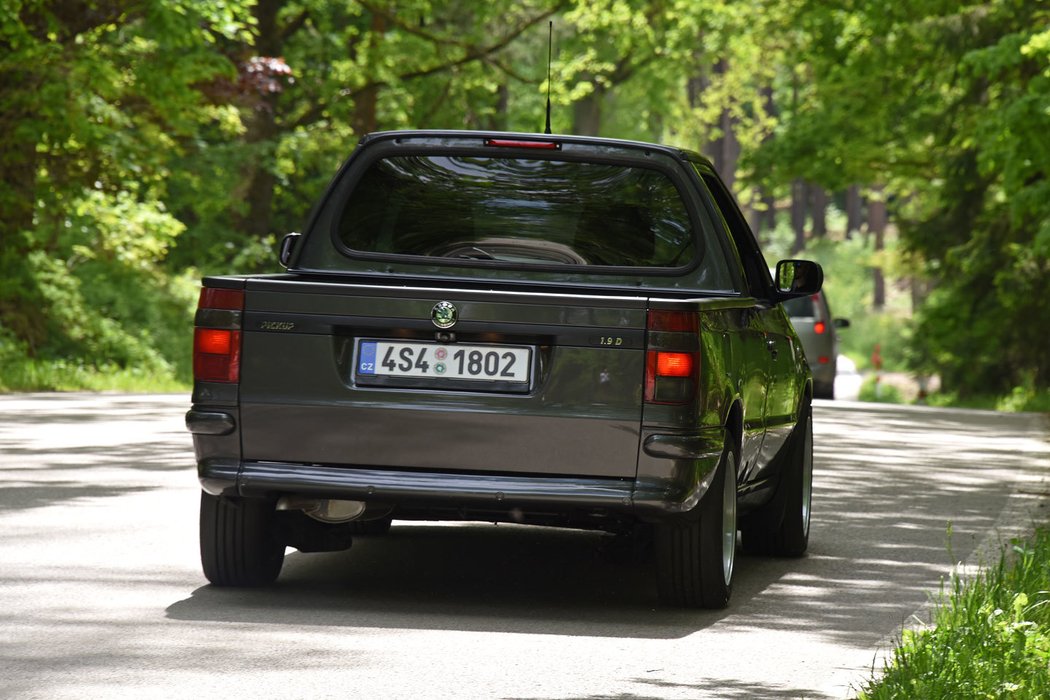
(482, 363)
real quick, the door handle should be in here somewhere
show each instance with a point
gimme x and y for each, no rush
(771, 345)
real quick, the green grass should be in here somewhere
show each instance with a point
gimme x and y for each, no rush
(989, 637)
(24, 374)
(1022, 399)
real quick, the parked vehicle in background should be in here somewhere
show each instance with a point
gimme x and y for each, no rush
(538, 329)
(811, 317)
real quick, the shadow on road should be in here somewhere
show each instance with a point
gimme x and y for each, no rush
(474, 577)
(890, 483)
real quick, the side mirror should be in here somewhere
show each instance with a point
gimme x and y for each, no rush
(288, 244)
(798, 278)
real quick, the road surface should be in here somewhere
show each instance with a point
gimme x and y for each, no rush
(101, 593)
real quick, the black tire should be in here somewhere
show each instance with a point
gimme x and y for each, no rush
(695, 557)
(370, 527)
(782, 528)
(239, 543)
(824, 390)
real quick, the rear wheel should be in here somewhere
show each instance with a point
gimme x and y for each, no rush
(695, 557)
(239, 542)
(824, 390)
(782, 528)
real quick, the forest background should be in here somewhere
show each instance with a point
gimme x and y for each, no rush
(905, 146)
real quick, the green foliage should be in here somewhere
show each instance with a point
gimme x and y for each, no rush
(97, 101)
(143, 144)
(847, 268)
(874, 390)
(109, 304)
(947, 106)
(990, 636)
(1021, 399)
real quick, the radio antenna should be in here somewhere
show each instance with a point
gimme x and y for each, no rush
(550, 44)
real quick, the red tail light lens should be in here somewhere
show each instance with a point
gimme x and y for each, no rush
(217, 341)
(213, 341)
(216, 355)
(819, 327)
(672, 365)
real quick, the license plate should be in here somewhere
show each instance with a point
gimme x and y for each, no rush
(427, 363)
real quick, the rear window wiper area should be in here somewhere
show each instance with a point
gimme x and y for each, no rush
(511, 250)
(472, 253)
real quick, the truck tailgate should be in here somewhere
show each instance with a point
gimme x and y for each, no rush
(348, 374)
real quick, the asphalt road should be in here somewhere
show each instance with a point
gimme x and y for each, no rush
(101, 593)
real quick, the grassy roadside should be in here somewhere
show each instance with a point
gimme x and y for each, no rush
(989, 636)
(1020, 400)
(23, 374)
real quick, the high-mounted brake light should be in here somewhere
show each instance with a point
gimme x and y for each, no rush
(520, 143)
(217, 341)
(672, 360)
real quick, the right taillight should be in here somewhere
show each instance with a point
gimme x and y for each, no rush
(672, 362)
(217, 336)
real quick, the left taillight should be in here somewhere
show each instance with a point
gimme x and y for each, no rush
(217, 336)
(672, 360)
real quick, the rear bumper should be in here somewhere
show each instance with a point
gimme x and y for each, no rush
(674, 475)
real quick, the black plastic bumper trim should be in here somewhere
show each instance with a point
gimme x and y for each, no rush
(210, 423)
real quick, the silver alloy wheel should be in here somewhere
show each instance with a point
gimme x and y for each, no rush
(729, 518)
(807, 475)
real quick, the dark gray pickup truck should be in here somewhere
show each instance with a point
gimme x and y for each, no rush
(548, 330)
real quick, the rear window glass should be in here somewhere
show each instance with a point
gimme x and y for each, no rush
(519, 211)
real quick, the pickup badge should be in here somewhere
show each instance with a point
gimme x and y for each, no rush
(276, 325)
(444, 314)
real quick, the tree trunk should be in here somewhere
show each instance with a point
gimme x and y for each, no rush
(770, 213)
(760, 214)
(877, 221)
(364, 119)
(261, 132)
(753, 215)
(727, 149)
(587, 113)
(497, 121)
(819, 210)
(766, 217)
(854, 213)
(724, 151)
(798, 215)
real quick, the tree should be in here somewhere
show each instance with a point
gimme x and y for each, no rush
(946, 106)
(96, 95)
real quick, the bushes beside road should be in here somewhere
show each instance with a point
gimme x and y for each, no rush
(989, 636)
